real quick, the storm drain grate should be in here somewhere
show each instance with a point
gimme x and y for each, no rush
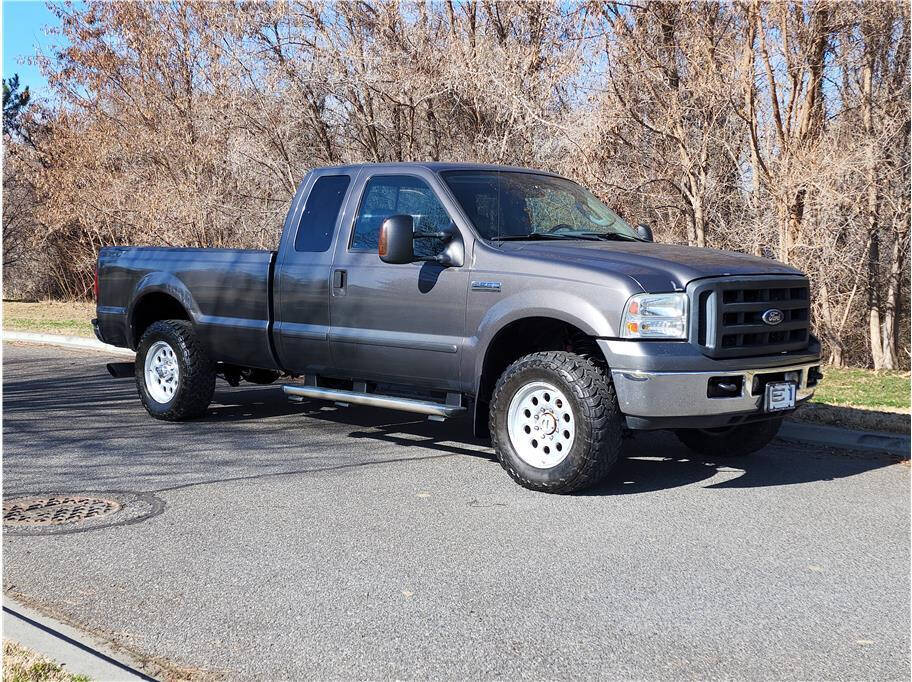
(56, 510)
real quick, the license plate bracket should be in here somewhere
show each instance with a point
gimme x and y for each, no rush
(779, 395)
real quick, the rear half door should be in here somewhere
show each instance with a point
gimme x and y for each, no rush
(397, 323)
(302, 275)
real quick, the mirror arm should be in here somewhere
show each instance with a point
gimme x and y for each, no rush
(434, 235)
(450, 236)
(442, 258)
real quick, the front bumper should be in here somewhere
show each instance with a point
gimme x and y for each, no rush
(669, 399)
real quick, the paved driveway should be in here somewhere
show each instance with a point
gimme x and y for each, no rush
(309, 541)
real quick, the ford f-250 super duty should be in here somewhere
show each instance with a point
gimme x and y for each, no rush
(509, 294)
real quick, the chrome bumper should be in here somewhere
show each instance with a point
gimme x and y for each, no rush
(684, 394)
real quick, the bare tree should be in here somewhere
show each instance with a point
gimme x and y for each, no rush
(776, 128)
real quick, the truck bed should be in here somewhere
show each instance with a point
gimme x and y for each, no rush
(224, 290)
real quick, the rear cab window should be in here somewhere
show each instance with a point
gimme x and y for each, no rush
(321, 213)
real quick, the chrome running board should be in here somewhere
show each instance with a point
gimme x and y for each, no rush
(451, 408)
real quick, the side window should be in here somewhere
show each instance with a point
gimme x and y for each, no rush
(315, 231)
(387, 195)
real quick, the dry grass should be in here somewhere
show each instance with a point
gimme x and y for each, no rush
(51, 317)
(24, 665)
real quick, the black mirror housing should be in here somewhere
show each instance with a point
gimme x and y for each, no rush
(644, 232)
(396, 243)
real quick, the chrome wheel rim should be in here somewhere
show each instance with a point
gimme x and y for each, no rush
(162, 372)
(541, 425)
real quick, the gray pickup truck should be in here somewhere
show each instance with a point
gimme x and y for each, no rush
(510, 295)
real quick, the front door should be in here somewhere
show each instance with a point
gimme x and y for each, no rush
(397, 323)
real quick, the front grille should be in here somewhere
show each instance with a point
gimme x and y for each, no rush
(729, 314)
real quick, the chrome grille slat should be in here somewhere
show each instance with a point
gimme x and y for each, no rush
(750, 328)
(763, 305)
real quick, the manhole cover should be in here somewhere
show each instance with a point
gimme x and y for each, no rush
(34, 512)
(56, 510)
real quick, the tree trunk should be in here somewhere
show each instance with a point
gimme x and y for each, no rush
(699, 221)
(871, 203)
(889, 358)
(785, 218)
(874, 321)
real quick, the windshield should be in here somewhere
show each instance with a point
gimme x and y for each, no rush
(515, 205)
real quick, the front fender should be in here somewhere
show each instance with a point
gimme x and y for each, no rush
(558, 305)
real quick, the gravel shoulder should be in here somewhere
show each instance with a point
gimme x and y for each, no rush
(308, 541)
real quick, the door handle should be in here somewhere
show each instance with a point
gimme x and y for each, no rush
(339, 279)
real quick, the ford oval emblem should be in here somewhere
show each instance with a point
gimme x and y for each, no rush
(772, 317)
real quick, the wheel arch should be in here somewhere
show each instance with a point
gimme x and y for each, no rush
(519, 337)
(158, 296)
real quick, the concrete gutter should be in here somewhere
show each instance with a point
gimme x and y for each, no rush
(66, 341)
(897, 444)
(75, 650)
(819, 434)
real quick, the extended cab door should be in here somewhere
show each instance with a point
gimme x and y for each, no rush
(397, 323)
(301, 286)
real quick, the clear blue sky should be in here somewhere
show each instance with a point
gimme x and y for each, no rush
(23, 33)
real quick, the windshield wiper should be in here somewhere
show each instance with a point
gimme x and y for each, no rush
(612, 236)
(532, 236)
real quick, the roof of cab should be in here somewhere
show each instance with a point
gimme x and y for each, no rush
(434, 166)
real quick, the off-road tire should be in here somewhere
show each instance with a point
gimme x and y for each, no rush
(733, 441)
(597, 444)
(196, 381)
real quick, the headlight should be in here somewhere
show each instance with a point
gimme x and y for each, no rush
(655, 316)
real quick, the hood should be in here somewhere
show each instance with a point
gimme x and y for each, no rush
(655, 267)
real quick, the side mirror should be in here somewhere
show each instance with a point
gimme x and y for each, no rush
(644, 232)
(396, 235)
(397, 243)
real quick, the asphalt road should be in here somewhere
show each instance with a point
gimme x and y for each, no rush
(305, 541)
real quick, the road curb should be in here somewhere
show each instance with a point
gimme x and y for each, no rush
(66, 341)
(65, 645)
(819, 434)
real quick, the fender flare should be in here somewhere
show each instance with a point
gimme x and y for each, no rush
(160, 283)
(568, 308)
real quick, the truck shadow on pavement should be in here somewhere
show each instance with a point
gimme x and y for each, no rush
(650, 461)
(84, 429)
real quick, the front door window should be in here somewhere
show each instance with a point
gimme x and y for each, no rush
(388, 195)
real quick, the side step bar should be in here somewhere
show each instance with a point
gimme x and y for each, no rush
(451, 408)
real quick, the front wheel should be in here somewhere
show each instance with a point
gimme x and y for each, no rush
(555, 422)
(731, 441)
(174, 374)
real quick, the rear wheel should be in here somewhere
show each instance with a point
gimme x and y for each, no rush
(174, 374)
(730, 441)
(555, 422)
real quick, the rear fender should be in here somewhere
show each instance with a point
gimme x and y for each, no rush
(164, 283)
